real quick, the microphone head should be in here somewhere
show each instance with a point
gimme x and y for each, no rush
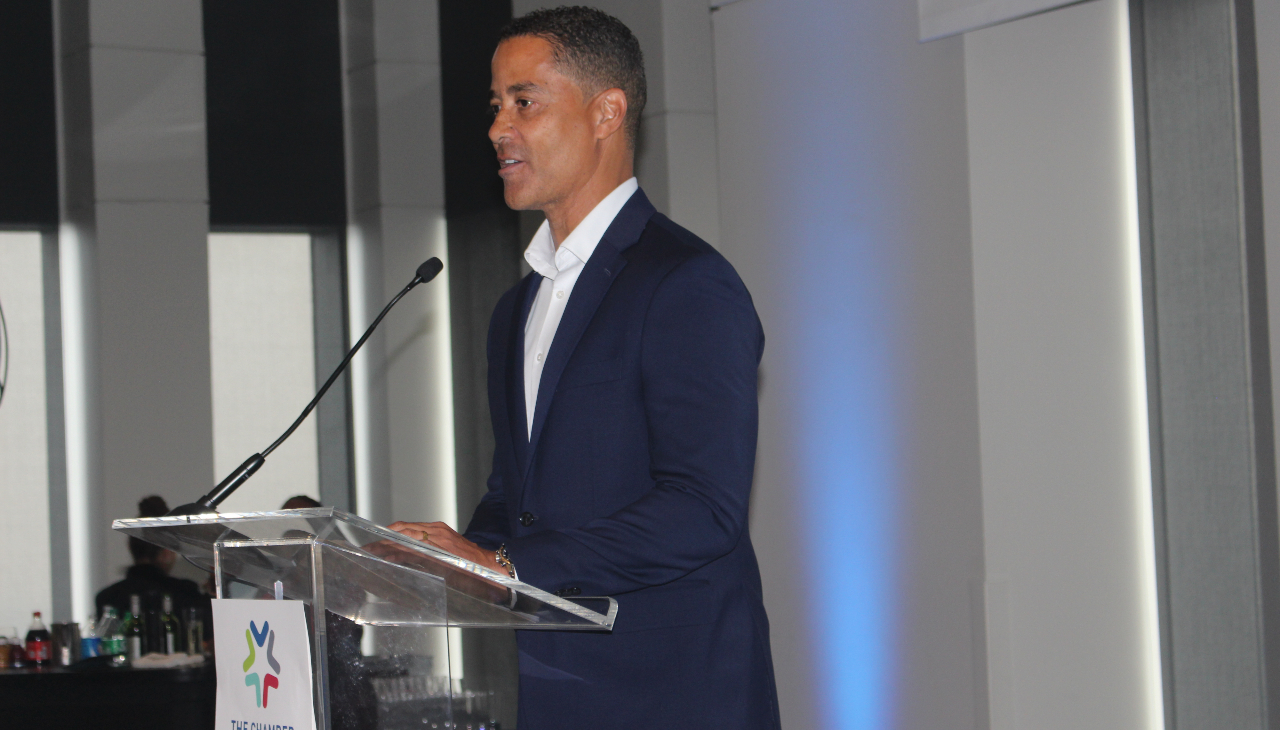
(429, 268)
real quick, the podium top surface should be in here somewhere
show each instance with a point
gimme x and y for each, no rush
(364, 571)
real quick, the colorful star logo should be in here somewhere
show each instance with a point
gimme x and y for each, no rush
(271, 681)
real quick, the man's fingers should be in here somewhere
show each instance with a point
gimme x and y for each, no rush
(404, 527)
(401, 526)
(437, 534)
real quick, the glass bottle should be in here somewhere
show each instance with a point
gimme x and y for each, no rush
(170, 632)
(195, 632)
(135, 629)
(39, 644)
(17, 655)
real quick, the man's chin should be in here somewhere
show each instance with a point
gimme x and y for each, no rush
(516, 201)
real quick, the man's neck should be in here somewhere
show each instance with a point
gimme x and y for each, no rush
(565, 216)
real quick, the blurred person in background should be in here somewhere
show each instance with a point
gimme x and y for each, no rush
(149, 577)
(301, 501)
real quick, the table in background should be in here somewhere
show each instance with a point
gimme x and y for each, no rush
(136, 699)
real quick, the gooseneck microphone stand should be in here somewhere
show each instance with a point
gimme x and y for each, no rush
(209, 502)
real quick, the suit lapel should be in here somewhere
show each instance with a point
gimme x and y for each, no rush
(593, 283)
(513, 378)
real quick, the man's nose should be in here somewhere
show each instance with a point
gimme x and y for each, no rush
(500, 129)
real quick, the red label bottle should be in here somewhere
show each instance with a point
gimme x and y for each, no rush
(39, 645)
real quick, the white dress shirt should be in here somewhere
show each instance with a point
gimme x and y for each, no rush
(560, 269)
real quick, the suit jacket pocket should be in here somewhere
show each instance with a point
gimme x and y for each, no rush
(591, 373)
(687, 602)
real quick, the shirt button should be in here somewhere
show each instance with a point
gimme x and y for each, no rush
(527, 519)
(560, 295)
(539, 357)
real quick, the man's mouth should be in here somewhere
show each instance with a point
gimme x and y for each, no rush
(508, 165)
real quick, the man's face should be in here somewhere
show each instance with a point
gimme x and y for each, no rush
(543, 130)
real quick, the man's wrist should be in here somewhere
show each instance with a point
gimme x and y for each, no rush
(504, 561)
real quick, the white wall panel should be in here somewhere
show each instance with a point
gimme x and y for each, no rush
(418, 372)
(148, 125)
(160, 25)
(24, 465)
(939, 18)
(1071, 618)
(152, 298)
(262, 354)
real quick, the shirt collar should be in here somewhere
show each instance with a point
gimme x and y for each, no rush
(582, 242)
(541, 253)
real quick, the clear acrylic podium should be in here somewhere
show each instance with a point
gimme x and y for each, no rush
(388, 653)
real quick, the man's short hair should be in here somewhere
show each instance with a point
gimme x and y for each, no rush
(593, 48)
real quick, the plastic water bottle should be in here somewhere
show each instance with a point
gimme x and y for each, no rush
(110, 633)
(90, 641)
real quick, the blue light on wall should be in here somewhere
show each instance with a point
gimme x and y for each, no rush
(841, 150)
(846, 416)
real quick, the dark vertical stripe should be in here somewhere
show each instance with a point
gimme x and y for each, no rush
(28, 126)
(273, 80)
(333, 414)
(56, 432)
(483, 233)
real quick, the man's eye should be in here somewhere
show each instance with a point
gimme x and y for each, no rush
(524, 103)
(493, 109)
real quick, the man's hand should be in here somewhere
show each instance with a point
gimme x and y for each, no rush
(446, 538)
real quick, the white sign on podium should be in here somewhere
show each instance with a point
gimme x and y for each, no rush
(263, 657)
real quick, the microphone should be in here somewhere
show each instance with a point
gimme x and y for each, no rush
(208, 503)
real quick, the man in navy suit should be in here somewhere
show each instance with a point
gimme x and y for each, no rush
(622, 388)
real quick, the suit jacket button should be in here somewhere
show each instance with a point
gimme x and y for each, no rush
(527, 519)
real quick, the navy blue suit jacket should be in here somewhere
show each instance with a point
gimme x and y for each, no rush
(635, 484)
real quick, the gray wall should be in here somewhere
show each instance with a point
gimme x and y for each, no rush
(135, 270)
(1267, 14)
(842, 184)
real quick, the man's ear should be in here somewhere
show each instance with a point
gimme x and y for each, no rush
(610, 112)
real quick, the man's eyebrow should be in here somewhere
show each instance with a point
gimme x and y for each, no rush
(519, 88)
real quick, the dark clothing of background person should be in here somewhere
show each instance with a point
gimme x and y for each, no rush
(151, 583)
(635, 484)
